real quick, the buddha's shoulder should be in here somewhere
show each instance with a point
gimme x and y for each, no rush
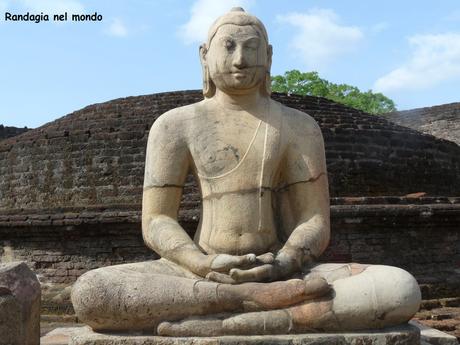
(181, 113)
(179, 117)
(296, 120)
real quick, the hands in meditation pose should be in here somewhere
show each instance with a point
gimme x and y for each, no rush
(250, 268)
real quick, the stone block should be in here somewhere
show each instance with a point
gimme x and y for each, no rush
(431, 336)
(402, 335)
(59, 336)
(19, 305)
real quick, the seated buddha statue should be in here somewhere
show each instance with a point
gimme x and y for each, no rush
(251, 267)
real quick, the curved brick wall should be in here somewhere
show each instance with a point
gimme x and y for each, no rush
(95, 156)
(8, 132)
(442, 121)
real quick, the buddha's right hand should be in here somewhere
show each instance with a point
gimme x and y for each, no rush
(221, 264)
(225, 262)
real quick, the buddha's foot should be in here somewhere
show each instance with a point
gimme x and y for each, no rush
(302, 296)
(278, 295)
(271, 322)
(310, 316)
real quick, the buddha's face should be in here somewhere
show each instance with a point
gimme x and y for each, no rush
(237, 58)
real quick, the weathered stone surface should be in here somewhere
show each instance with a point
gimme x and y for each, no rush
(404, 335)
(251, 268)
(19, 305)
(433, 336)
(59, 336)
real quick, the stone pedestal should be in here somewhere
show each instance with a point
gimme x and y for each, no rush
(19, 305)
(403, 335)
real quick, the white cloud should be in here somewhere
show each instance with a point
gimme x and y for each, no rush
(117, 28)
(321, 38)
(379, 27)
(203, 14)
(52, 6)
(434, 59)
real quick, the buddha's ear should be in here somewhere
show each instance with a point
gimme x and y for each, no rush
(209, 88)
(203, 52)
(267, 87)
(269, 57)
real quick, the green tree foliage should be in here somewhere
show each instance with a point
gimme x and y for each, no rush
(296, 82)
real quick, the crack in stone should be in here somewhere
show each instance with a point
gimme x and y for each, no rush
(261, 189)
(242, 192)
(166, 185)
(310, 180)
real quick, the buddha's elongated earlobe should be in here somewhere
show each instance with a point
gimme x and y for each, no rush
(267, 87)
(209, 89)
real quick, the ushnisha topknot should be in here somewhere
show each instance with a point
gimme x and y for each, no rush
(236, 16)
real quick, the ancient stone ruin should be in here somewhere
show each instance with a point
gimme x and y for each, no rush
(442, 121)
(19, 305)
(70, 193)
(8, 132)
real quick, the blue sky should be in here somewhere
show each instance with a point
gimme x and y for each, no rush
(409, 50)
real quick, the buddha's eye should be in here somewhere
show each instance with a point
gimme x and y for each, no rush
(229, 44)
(250, 47)
(252, 44)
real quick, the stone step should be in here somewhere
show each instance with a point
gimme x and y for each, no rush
(59, 336)
(439, 313)
(445, 319)
(401, 335)
(431, 336)
(57, 318)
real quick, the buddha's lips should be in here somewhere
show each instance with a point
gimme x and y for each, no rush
(242, 71)
(239, 75)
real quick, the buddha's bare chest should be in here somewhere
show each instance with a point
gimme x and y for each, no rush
(233, 148)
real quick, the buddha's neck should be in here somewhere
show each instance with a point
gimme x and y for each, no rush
(247, 101)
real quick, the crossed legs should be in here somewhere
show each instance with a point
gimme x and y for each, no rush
(159, 296)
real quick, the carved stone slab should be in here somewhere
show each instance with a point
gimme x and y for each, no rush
(432, 336)
(403, 335)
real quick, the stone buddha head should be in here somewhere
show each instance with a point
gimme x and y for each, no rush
(236, 58)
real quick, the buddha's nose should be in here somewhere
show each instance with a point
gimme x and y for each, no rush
(239, 60)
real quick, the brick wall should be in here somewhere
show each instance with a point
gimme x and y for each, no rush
(95, 156)
(419, 235)
(8, 132)
(442, 121)
(65, 187)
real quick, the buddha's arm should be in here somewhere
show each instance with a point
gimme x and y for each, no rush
(162, 232)
(308, 195)
(166, 167)
(164, 235)
(310, 236)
